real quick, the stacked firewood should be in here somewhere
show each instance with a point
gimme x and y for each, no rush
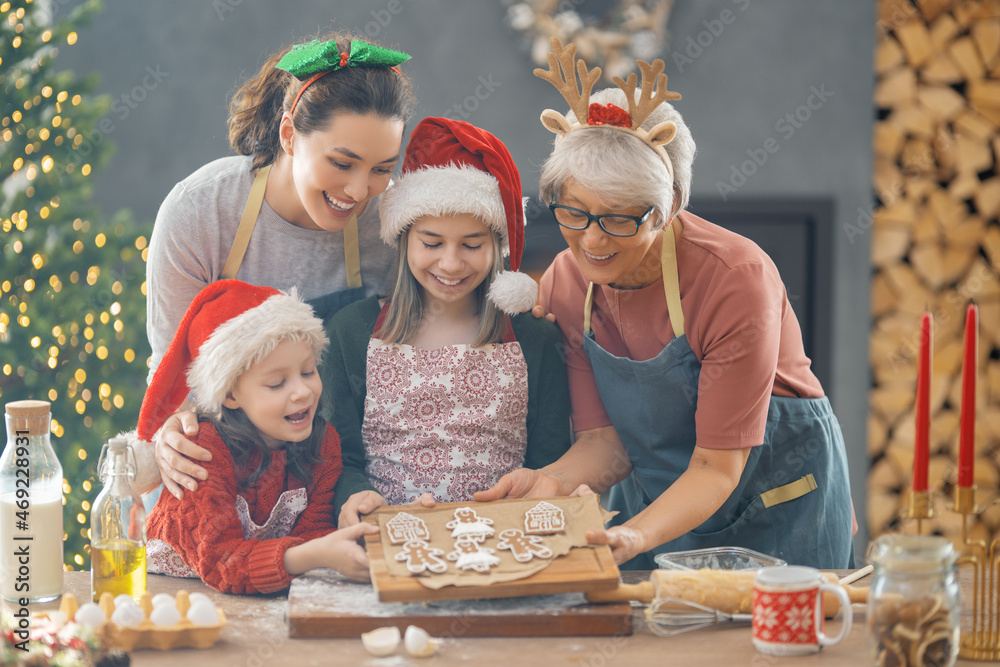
(935, 245)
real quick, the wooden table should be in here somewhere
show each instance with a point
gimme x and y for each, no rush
(256, 637)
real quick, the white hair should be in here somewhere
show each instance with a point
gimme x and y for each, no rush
(620, 168)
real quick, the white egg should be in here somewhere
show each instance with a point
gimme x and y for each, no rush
(123, 598)
(90, 614)
(127, 615)
(165, 615)
(381, 641)
(162, 598)
(198, 597)
(418, 643)
(203, 612)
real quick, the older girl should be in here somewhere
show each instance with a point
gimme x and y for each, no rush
(444, 387)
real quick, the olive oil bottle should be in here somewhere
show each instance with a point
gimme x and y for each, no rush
(118, 530)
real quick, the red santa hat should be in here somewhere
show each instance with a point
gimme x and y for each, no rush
(453, 167)
(230, 326)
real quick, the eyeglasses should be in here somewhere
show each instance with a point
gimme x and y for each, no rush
(615, 225)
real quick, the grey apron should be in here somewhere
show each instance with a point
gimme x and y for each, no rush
(325, 306)
(793, 499)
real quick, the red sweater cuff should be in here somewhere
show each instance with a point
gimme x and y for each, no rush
(267, 565)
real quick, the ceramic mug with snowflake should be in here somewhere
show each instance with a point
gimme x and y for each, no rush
(788, 611)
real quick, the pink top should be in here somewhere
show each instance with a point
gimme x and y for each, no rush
(738, 322)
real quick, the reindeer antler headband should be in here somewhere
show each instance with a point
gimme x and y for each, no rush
(654, 92)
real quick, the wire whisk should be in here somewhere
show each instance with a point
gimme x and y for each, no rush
(667, 617)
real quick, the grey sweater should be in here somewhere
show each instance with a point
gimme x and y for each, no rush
(194, 231)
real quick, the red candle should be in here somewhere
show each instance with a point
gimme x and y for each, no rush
(967, 437)
(921, 445)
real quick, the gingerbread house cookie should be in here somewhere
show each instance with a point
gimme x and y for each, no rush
(543, 519)
(405, 527)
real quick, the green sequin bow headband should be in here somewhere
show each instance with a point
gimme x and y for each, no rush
(314, 59)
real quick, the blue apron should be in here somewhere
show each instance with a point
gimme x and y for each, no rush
(793, 499)
(325, 306)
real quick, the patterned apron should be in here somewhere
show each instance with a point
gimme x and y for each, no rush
(162, 559)
(793, 499)
(449, 421)
(326, 305)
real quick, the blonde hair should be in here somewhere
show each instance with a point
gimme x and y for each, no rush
(406, 304)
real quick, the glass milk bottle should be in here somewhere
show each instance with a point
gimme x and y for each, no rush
(31, 507)
(118, 530)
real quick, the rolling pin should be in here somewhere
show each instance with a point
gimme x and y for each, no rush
(726, 590)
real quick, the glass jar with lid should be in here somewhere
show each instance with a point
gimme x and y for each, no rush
(914, 602)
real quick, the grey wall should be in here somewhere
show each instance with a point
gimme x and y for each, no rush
(741, 65)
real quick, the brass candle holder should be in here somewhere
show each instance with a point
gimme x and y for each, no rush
(982, 642)
(920, 508)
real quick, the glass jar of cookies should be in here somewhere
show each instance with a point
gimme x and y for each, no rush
(914, 603)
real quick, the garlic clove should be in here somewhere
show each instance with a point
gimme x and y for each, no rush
(418, 643)
(381, 641)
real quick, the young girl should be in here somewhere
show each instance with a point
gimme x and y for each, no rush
(248, 355)
(444, 387)
(318, 132)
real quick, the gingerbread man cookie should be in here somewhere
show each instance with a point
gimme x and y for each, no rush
(405, 527)
(469, 555)
(544, 518)
(523, 547)
(420, 556)
(468, 523)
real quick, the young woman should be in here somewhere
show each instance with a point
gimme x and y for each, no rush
(318, 131)
(444, 387)
(249, 355)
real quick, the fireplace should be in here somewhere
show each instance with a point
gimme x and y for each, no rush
(796, 233)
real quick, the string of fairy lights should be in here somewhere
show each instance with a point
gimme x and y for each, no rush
(99, 332)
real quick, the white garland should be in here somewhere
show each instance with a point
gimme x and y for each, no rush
(630, 30)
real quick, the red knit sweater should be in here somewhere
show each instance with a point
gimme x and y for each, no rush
(205, 530)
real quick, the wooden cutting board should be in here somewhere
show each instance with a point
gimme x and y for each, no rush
(582, 570)
(322, 603)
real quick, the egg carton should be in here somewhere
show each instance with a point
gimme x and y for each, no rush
(146, 634)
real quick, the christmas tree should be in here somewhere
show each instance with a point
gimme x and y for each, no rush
(72, 283)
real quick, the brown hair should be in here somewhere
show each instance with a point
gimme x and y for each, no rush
(256, 108)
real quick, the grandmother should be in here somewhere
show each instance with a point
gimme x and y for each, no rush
(693, 401)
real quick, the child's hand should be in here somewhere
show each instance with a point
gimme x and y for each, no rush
(539, 313)
(340, 551)
(359, 503)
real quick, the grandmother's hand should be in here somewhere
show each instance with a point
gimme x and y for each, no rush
(625, 542)
(174, 454)
(522, 483)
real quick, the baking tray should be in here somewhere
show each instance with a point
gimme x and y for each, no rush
(717, 558)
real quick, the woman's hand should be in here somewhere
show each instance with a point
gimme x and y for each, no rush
(522, 483)
(174, 453)
(359, 503)
(625, 542)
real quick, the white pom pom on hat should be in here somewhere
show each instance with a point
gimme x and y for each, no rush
(453, 167)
